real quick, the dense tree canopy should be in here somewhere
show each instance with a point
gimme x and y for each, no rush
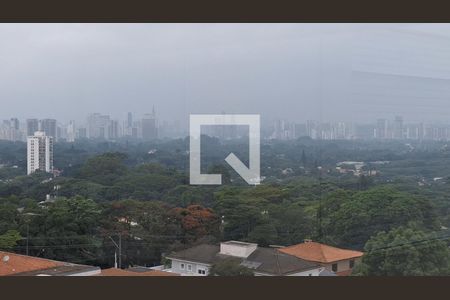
(9, 239)
(138, 193)
(354, 218)
(405, 251)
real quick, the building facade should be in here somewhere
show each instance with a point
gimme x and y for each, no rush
(149, 127)
(39, 153)
(48, 126)
(32, 126)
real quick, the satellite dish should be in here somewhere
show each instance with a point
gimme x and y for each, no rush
(5, 258)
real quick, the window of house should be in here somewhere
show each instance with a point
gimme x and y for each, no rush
(334, 267)
(201, 271)
(182, 266)
(351, 263)
(189, 267)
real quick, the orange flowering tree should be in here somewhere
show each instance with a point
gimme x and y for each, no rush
(196, 222)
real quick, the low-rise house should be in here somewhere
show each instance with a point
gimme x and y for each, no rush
(339, 261)
(12, 264)
(198, 260)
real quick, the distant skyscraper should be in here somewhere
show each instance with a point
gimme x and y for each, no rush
(128, 125)
(113, 129)
(60, 133)
(71, 132)
(39, 153)
(130, 120)
(382, 129)
(15, 123)
(82, 133)
(311, 128)
(134, 132)
(398, 128)
(98, 126)
(149, 126)
(49, 127)
(14, 129)
(32, 126)
(421, 131)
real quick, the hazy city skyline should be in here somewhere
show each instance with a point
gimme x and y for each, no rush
(297, 72)
(149, 128)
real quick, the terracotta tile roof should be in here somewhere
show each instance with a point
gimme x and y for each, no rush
(317, 252)
(121, 272)
(12, 263)
(66, 270)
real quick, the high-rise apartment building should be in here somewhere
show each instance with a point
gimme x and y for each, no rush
(49, 127)
(129, 125)
(149, 126)
(13, 129)
(382, 130)
(398, 128)
(32, 126)
(130, 120)
(98, 126)
(71, 132)
(39, 153)
(113, 129)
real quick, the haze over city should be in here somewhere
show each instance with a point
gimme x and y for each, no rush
(337, 164)
(297, 72)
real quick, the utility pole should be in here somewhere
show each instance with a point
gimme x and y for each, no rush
(28, 233)
(28, 220)
(118, 247)
(319, 212)
(120, 251)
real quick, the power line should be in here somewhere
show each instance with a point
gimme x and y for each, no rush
(379, 249)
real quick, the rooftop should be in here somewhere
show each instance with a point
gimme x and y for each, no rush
(271, 261)
(23, 265)
(317, 252)
(64, 270)
(132, 272)
(208, 254)
(262, 260)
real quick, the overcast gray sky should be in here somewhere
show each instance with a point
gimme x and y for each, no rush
(355, 72)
